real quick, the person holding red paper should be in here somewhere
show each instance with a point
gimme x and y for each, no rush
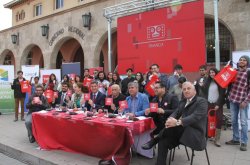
(62, 96)
(103, 84)
(167, 104)
(18, 94)
(36, 102)
(52, 84)
(137, 102)
(117, 96)
(97, 100)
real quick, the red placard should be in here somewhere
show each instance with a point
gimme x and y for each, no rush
(69, 93)
(151, 84)
(108, 101)
(36, 100)
(25, 86)
(87, 81)
(55, 94)
(109, 91)
(153, 107)
(123, 104)
(86, 96)
(49, 94)
(72, 76)
(45, 78)
(225, 76)
(175, 33)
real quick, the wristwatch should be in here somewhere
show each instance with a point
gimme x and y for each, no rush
(178, 122)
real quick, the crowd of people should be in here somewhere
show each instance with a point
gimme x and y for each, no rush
(183, 106)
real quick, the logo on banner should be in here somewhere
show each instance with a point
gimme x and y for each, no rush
(4, 75)
(156, 32)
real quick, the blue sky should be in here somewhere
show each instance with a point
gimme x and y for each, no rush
(5, 16)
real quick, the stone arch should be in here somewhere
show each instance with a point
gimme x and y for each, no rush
(34, 52)
(103, 42)
(11, 58)
(57, 48)
(227, 41)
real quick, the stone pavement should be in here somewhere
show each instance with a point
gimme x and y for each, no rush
(14, 141)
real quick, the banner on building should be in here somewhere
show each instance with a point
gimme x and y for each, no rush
(7, 76)
(167, 36)
(45, 73)
(30, 71)
(71, 68)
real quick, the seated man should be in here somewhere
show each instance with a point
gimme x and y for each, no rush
(61, 99)
(187, 125)
(97, 99)
(167, 104)
(137, 102)
(36, 102)
(117, 96)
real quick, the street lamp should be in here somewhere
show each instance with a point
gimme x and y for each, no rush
(86, 18)
(45, 30)
(15, 38)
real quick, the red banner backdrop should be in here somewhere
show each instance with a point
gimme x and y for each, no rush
(164, 36)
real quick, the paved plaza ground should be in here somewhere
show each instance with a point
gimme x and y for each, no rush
(14, 141)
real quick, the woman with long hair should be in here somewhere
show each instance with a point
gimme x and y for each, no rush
(66, 79)
(140, 80)
(52, 84)
(116, 79)
(110, 77)
(216, 99)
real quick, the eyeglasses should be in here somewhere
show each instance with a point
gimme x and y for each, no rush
(138, 75)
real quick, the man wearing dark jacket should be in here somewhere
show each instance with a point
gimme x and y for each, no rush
(167, 104)
(187, 125)
(127, 80)
(36, 102)
(18, 95)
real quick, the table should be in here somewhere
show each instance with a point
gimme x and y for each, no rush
(106, 138)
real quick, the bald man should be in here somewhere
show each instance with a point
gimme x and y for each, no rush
(117, 96)
(185, 126)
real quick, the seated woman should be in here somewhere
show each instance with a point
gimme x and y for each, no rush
(77, 99)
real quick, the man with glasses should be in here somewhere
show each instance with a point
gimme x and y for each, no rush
(167, 104)
(36, 102)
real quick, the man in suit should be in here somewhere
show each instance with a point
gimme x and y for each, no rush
(167, 104)
(61, 99)
(97, 99)
(137, 102)
(36, 102)
(187, 125)
(117, 96)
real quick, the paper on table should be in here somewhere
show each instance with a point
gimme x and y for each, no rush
(42, 111)
(141, 117)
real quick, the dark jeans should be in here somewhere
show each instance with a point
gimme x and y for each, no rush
(17, 106)
(169, 138)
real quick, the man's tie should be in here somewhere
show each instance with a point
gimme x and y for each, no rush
(94, 97)
(62, 99)
(188, 101)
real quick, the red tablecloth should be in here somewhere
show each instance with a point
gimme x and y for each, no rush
(100, 137)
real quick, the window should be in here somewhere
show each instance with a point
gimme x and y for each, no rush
(226, 41)
(38, 9)
(7, 60)
(29, 59)
(58, 4)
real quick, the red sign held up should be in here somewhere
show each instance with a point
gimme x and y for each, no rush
(108, 101)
